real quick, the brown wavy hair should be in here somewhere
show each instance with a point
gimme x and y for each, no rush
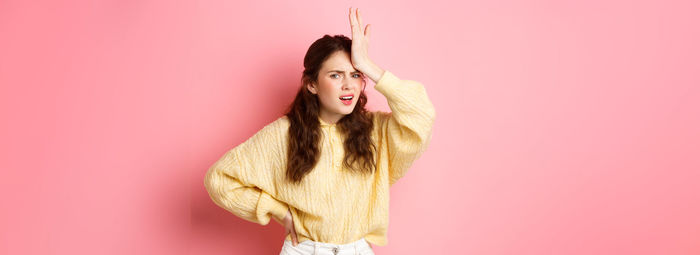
(305, 129)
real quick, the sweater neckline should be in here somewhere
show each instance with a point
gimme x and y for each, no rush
(324, 123)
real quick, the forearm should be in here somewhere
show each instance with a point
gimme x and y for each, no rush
(247, 202)
(408, 127)
(373, 71)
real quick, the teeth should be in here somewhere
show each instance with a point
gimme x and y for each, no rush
(347, 97)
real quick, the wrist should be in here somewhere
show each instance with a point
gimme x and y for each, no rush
(373, 71)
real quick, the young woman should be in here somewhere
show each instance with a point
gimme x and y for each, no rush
(324, 169)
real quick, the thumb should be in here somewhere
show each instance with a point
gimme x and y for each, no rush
(367, 32)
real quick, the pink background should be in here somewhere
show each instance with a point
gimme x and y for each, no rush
(563, 127)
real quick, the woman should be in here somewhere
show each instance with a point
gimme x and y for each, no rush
(324, 169)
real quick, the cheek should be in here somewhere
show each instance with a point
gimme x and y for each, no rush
(329, 86)
(328, 90)
(358, 84)
(326, 96)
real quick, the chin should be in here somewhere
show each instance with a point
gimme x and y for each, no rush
(346, 112)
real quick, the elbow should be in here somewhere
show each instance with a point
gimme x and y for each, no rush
(431, 115)
(210, 184)
(430, 109)
(223, 193)
(213, 184)
(429, 119)
(425, 134)
(427, 106)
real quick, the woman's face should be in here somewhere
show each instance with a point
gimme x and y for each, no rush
(337, 79)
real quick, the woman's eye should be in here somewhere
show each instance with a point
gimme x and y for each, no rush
(354, 75)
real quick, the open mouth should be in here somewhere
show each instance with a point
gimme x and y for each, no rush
(347, 99)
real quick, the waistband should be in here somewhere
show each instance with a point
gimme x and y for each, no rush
(359, 243)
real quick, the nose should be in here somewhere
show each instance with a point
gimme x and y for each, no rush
(348, 84)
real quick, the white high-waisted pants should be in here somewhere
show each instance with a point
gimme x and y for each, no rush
(308, 247)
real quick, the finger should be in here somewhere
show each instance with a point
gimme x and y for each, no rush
(359, 18)
(352, 24)
(294, 238)
(293, 231)
(356, 28)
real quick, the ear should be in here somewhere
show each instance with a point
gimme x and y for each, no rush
(311, 86)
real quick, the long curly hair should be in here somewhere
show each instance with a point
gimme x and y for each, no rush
(305, 129)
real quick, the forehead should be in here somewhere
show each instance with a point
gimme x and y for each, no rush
(340, 60)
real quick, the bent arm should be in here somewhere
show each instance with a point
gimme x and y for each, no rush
(243, 180)
(247, 202)
(407, 129)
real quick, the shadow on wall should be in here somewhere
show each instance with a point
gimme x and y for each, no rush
(213, 229)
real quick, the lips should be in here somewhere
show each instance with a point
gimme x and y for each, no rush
(347, 99)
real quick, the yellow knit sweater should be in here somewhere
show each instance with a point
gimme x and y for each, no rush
(331, 204)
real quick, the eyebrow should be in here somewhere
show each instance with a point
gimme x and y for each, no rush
(340, 71)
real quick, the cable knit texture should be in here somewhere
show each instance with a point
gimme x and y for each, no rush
(331, 204)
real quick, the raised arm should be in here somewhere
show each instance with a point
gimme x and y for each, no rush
(407, 129)
(242, 180)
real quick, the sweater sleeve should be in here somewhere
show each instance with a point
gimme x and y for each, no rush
(407, 129)
(242, 180)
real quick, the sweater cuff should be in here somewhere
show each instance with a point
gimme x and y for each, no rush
(387, 84)
(269, 206)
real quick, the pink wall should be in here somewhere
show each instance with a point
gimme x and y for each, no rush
(564, 127)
